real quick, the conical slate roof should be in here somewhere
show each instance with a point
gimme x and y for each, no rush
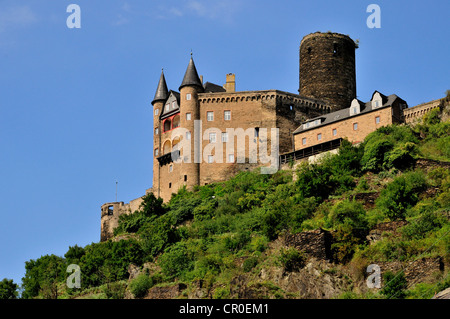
(191, 77)
(162, 93)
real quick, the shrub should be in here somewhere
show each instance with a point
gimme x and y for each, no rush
(250, 263)
(175, 261)
(394, 285)
(292, 259)
(140, 285)
(375, 151)
(115, 290)
(401, 194)
(427, 222)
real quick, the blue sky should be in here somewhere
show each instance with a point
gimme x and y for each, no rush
(75, 112)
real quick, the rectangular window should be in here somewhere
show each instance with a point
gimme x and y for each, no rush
(170, 168)
(334, 132)
(319, 136)
(224, 137)
(256, 132)
(377, 120)
(210, 116)
(156, 131)
(227, 115)
(188, 96)
(170, 185)
(188, 116)
(355, 126)
(212, 137)
(188, 135)
(230, 158)
(156, 111)
(210, 159)
(185, 178)
(304, 141)
(156, 152)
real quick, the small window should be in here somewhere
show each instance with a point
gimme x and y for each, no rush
(188, 96)
(156, 152)
(319, 136)
(156, 131)
(188, 116)
(170, 185)
(212, 137)
(110, 210)
(334, 132)
(188, 135)
(185, 178)
(210, 116)
(227, 115)
(304, 141)
(224, 137)
(256, 132)
(355, 126)
(170, 168)
(156, 111)
(377, 120)
(210, 159)
(291, 107)
(335, 49)
(230, 158)
(167, 107)
(174, 104)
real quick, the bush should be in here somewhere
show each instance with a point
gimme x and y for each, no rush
(140, 285)
(250, 263)
(292, 259)
(401, 194)
(426, 223)
(394, 285)
(175, 261)
(115, 290)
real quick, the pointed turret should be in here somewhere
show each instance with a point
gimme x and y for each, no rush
(191, 77)
(162, 93)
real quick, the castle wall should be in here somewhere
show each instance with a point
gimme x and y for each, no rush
(366, 125)
(247, 111)
(413, 114)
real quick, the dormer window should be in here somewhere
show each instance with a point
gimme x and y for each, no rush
(355, 107)
(377, 100)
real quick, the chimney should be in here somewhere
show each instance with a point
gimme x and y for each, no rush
(230, 85)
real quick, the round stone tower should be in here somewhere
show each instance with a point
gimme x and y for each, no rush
(327, 68)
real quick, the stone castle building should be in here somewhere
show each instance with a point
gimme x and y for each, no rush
(205, 132)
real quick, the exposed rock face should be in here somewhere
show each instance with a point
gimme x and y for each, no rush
(444, 294)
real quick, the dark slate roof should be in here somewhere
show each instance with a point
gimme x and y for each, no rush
(213, 88)
(191, 77)
(165, 113)
(162, 93)
(345, 113)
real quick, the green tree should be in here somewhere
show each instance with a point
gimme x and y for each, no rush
(8, 289)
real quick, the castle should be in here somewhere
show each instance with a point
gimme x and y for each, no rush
(205, 133)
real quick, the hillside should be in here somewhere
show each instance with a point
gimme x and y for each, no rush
(307, 232)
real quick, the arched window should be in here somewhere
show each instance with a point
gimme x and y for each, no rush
(167, 148)
(167, 125)
(176, 121)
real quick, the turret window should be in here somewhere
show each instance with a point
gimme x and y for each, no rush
(156, 111)
(156, 131)
(188, 96)
(188, 116)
